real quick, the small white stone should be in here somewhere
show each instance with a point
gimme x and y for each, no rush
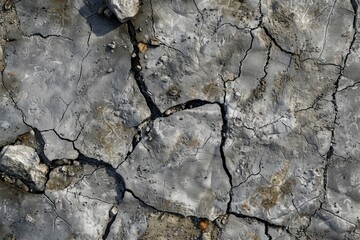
(114, 211)
(137, 137)
(154, 42)
(29, 218)
(5, 124)
(224, 220)
(164, 59)
(206, 236)
(64, 169)
(111, 45)
(168, 112)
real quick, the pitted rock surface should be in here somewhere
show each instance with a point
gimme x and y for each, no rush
(173, 119)
(177, 170)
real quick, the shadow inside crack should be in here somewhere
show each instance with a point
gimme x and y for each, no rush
(110, 170)
(99, 24)
(120, 184)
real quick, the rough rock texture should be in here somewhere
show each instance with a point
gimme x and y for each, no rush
(74, 210)
(56, 148)
(236, 228)
(205, 119)
(79, 81)
(130, 221)
(11, 120)
(25, 216)
(123, 9)
(23, 163)
(82, 204)
(177, 170)
(136, 221)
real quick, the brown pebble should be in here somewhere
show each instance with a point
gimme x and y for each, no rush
(142, 47)
(203, 224)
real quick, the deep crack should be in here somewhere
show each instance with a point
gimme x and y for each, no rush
(224, 134)
(41, 147)
(136, 69)
(267, 232)
(260, 220)
(110, 223)
(331, 150)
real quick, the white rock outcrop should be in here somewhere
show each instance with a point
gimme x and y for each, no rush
(22, 162)
(123, 9)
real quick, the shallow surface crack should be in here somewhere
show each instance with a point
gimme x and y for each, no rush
(326, 28)
(260, 220)
(49, 36)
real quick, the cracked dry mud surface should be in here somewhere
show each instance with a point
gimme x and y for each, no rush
(196, 119)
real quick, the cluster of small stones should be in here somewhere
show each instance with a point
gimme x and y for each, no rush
(171, 119)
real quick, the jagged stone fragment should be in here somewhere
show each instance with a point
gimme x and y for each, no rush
(123, 9)
(27, 139)
(23, 162)
(61, 177)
